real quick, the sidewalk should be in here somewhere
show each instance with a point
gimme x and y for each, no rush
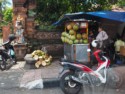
(20, 76)
(48, 75)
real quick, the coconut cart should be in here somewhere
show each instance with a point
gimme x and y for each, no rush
(75, 39)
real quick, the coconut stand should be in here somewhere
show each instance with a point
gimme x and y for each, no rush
(75, 39)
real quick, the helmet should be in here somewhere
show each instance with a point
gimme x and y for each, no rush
(94, 43)
(12, 37)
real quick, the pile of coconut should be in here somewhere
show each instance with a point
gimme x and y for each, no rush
(42, 58)
(74, 34)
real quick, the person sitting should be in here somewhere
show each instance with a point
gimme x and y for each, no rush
(118, 44)
(91, 36)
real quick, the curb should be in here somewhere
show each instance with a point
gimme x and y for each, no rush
(51, 82)
(47, 83)
(41, 84)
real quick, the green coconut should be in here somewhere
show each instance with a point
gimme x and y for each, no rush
(80, 41)
(72, 37)
(70, 42)
(67, 35)
(75, 27)
(85, 41)
(71, 32)
(63, 39)
(66, 40)
(63, 34)
(78, 36)
(76, 41)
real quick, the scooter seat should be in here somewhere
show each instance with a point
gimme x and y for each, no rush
(6, 42)
(88, 64)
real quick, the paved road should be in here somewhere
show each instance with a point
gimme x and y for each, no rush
(58, 91)
(23, 91)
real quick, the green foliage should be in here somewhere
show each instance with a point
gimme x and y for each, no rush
(97, 5)
(46, 28)
(7, 15)
(31, 12)
(49, 11)
(121, 3)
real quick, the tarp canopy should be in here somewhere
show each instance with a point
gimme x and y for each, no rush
(111, 15)
(69, 16)
(98, 16)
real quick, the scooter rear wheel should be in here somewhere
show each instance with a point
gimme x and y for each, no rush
(69, 86)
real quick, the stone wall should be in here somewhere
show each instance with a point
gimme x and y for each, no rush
(49, 40)
(36, 39)
(6, 32)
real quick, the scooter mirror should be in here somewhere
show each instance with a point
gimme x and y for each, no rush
(88, 50)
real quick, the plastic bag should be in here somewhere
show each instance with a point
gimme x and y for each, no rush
(33, 84)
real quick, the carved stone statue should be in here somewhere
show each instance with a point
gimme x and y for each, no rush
(19, 29)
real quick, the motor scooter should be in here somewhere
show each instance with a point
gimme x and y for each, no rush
(75, 74)
(7, 53)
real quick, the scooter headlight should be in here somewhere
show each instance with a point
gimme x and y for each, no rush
(62, 63)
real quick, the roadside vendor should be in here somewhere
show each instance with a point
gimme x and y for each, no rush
(91, 38)
(102, 37)
(118, 44)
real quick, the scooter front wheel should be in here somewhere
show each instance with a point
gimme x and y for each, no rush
(69, 86)
(3, 64)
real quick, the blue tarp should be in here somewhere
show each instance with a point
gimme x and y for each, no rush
(111, 15)
(69, 16)
(98, 16)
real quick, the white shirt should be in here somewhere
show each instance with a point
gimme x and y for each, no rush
(102, 35)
